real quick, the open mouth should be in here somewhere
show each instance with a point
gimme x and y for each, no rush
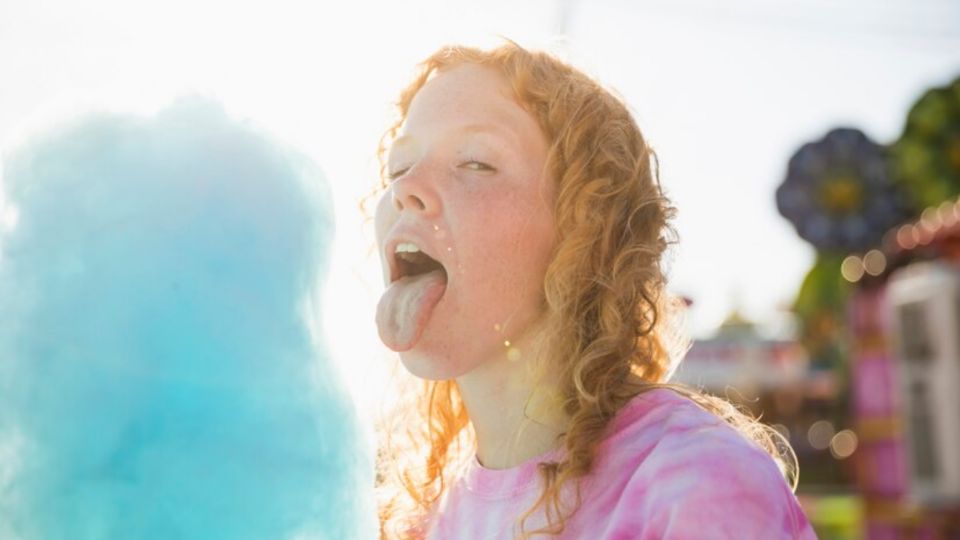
(416, 263)
(417, 283)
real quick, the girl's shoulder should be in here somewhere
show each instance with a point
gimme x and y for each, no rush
(661, 433)
(661, 415)
(689, 471)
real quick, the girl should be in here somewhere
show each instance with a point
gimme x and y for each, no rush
(521, 229)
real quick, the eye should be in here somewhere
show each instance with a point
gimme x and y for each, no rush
(397, 173)
(475, 165)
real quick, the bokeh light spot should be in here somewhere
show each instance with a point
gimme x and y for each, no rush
(906, 238)
(948, 214)
(820, 434)
(852, 269)
(874, 262)
(930, 219)
(843, 444)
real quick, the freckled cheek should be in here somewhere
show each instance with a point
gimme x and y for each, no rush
(507, 262)
(499, 236)
(479, 253)
(532, 229)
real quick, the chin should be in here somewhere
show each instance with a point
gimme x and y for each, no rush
(435, 361)
(432, 367)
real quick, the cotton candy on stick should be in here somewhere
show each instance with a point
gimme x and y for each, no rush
(160, 376)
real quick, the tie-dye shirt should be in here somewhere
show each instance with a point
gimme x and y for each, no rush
(667, 469)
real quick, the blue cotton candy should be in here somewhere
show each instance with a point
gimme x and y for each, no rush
(160, 373)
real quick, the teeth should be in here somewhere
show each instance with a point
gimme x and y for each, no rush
(407, 247)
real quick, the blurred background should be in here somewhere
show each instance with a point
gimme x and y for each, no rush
(811, 147)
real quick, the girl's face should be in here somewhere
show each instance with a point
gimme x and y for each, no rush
(469, 190)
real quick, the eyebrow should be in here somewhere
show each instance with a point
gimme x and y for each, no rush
(467, 129)
(487, 128)
(511, 136)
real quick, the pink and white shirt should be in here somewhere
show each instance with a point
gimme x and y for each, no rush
(667, 470)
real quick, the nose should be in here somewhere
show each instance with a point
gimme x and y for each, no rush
(412, 192)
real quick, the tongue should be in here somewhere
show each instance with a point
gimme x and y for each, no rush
(405, 308)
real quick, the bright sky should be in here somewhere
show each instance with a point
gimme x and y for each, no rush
(724, 91)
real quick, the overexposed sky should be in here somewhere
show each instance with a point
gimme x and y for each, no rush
(724, 91)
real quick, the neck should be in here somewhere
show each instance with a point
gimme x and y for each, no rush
(511, 409)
